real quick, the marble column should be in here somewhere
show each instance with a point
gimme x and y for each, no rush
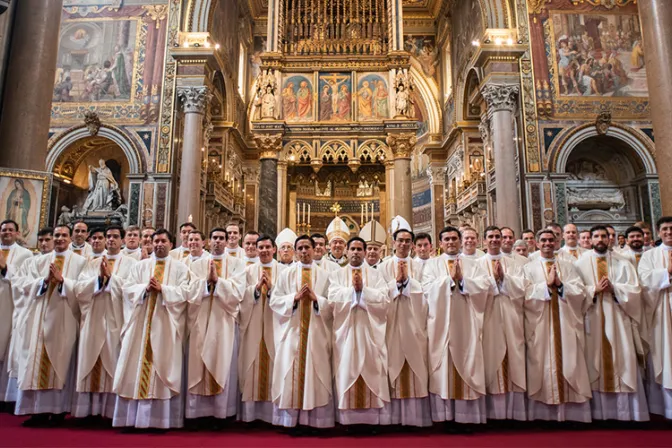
(656, 17)
(437, 182)
(282, 195)
(269, 146)
(501, 100)
(194, 101)
(402, 145)
(389, 190)
(29, 84)
(251, 172)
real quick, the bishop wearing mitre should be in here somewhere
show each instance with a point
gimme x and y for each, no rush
(558, 387)
(50, 320)
(302, 380)
(257, 353)
(503, 332)
(99, 292)
(613, 294)
(406, 336)
(457, 290)
(359, 302)
(655, 273)
(215, 293)
(148, 379)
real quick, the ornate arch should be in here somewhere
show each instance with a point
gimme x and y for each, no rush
(59, 144)
(335, 152)
(297, 151)
(429, 94)
(560, 152)
(372, 151)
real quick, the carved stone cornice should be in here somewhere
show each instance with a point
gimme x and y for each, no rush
(484, 129)
(402, 144)
(269, 145)
(194, 99)
(500, 97)
(251, 173)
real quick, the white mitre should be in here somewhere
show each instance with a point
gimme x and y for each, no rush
(286, 236)
(399, 223)
(338, 229)
(373, 233)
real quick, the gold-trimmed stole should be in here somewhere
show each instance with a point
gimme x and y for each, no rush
(306, 279)
(264, 358)
(607, 371)
(554, 317)
(45, 362)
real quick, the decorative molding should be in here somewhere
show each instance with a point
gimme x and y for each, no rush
(602, 122)
(500, 97)
(92, 122)
(268, 145)
(402, 144)
(194, 100)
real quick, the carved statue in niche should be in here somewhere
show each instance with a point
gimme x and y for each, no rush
(404, 104)
(604, 198)
(324, 193)
(365, 188)
(586, 170)
(266, 86)
(104, 193)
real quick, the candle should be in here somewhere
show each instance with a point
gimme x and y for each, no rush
(308, 214)
(304, 213)
(189, 219)
(361, 214)
(297, 213)
(372, 211)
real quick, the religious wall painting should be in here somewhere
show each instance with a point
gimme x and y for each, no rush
(24, 199)
(420, 114)
(467, 21)
(372, 97)
(424, 49)
(297, 98)
(597, 55)
(254, 60)
(335, 97)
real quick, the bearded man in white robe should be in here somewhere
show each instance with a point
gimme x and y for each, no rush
(99, 292)
(457, 290)
(257, 353)
(12, 257)
(148, 379)
(406, 335)
(558, 387)
(49, 326)
(613, 292)
(302, 379)
(503, 331)
(216, 290)
(358, 301)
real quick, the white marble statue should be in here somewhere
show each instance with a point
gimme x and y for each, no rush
(104, 191)
(610, 197)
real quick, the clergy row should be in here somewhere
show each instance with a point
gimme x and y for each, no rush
(454, 337)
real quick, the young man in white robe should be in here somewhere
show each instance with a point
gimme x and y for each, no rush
(12, 257)
(97, 238)
(614, 295)
(558, 387)
(99, 292)
(469, 244)
(406, 334)
(655, 273)
(508, 240)
(146, 242)
(504, 332)
(48, 327)
(132, 247)
(181, 252)
(320, 251)
(358, 301)
(571, 236)
(584, 240)
(257, 349)
(250, 254)
(457, 290)
(148, 379)
(196, 243)
(80, 233)
(302, 379)
(423, 248)
(232, 247)
(530, 240)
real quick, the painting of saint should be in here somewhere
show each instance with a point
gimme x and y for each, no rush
(372, 97)
(424, 49)
(21, 201)
(18, 206)
(289, 101)
(297, 98)
(598, 55)
(336, 88)
(304, 100)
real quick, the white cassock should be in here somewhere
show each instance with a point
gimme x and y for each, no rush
(327, 265)
(102, 318)
(84, 251)
(657, 291)
(360, 356)
(148, 379)
(573, 252)
(48, 327)
(504, 340)
(454, 328)
(190, 259)
(15, 256)
(475, 256)
(179, 253)
(421, 263)
(212, 323)
(238, 252)
(257, 349)
(248, 261)
(618, 391)
(135, 254)
(558, 387)
(407, 345)
(641, 330)
(302, 381)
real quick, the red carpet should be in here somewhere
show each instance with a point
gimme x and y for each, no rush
(529, 435)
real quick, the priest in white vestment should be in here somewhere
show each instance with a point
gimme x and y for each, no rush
(338, 234)
(558, 387)
(302, 379)
(613, 293)
(457, 290)
(422, 245)
(196, 248)
(215, 292)
(48, 327)
(78, 245)
(132, 247)
(504, 332)
(148, 379)
(406, 334)
(257, 349)
(320, 252)
(97, 239)
(285, 243)
(183, 251)
(655, 273)
(571, 247)
(250, 253)
(99, 292)
(469, 245)
(232, 247)
(373, 233)
(358, 301)
(12, 257)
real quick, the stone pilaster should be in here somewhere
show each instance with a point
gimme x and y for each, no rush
(402, 145)
(269, 146)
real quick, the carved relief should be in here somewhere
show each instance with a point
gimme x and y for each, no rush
(501, 97)
(402, 145)
(269, 145)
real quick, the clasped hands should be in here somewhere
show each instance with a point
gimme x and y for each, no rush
(55, 275)
(604, 285)
(553, 280)
(305, 293)
(264, 279)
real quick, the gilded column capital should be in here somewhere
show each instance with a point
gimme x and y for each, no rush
(500, 97)
(194, 99)
(269, 145)
(402, 144)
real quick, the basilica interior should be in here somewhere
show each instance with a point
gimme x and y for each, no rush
(285, 113)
